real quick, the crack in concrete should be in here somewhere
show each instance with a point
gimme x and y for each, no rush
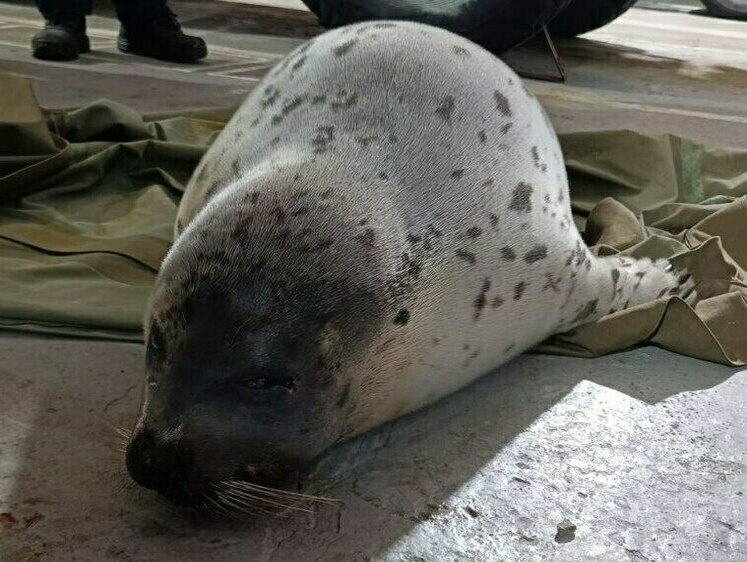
(119, 398)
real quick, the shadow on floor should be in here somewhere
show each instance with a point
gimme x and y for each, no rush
(70, 472)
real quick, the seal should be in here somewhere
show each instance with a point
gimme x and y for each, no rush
(385, 219)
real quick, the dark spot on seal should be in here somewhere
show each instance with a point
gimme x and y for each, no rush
(501, 103)
(472, 356)
(343, 398)
(543, 167)
(365, 141)
(363, 222)
(367, 239)
(402, 318)
(254, 197)
(640, 275)
(482, 135)
(535, 155)
(493, 220)
(488, 182)
(539, 252)
(521, 198)
(279, 215)
(505, 128)
(473, 232)
(661, 293)
(481, 300)
(410, 266)
(300, 211)
(274, 141)
(552, 283)
(235, 168)
(413, 238)
(318, 100)
(615, 277)
(323, 138)
(343, 48)
(318, 247)
(587, 310)
(287, 108)
(436, 341)
(298, 64)
(456, 174)
(383, 175)
(283, 234)
(445, 109)
(460, 51)
(327, 193)
(271, 95)
(469, 257)
(434, 231)
(497, 301)
(519, 290)
(508, 253)
(343, 100)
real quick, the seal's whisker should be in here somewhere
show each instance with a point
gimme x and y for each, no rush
(235, 335)
(241, 507)
(126, 433)
(268, 501)
(214, 505)
(288, 494)
(255, 502)
(264, 495)
(227, 503)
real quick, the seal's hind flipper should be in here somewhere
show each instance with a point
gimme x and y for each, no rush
(618, 283)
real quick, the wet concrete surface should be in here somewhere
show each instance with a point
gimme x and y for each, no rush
(636, 456)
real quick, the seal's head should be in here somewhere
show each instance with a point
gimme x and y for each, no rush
(252, 338)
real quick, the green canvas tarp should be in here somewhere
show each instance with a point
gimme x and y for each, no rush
(88, 198)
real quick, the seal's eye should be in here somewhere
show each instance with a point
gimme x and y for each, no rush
(270, 383)
(156, 344)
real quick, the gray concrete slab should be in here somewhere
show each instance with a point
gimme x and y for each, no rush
(637, 456)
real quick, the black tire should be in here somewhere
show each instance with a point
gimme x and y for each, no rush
(733, 9)
(582, 16)
(497, 25)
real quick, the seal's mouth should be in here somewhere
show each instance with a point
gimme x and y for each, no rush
(250, 490)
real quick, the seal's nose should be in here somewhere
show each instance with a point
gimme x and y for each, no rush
(158, 465)
(141, 459)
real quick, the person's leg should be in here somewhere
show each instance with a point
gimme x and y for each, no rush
(150, 28)
(64, 33)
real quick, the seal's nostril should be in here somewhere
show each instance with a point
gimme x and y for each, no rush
(141, 459)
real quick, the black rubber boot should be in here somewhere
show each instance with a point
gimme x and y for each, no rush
(61, 39)
(160, 37)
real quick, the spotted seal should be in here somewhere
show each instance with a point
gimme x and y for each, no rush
(384, 219)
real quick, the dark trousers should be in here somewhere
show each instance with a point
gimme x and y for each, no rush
(127, 10)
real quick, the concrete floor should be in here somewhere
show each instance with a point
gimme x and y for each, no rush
(636, 456)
